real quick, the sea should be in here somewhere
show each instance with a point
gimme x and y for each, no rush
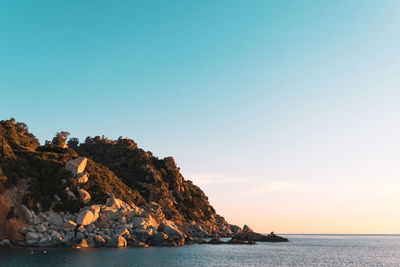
(302, 250)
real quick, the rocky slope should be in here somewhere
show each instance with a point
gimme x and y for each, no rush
(100, 193)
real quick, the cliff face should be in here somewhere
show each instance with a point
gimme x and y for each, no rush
(157, 180)
(115, 168)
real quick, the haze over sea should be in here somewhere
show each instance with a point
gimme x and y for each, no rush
(303, 250)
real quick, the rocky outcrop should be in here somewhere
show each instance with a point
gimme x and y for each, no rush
(249, 235)
(131, 199)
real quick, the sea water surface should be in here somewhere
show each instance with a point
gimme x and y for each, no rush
(302, 250)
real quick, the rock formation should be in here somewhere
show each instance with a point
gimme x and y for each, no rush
(102, 193)
(249, 235)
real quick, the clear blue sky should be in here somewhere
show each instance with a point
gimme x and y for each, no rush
(290, 106)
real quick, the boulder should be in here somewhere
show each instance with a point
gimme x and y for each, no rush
(168, 227)
(98, 240)
(79, 236)
(161, 239)
(139, 222)
(55, 219)
(85, 217)
(23, 230)
(95, 209)
(142, 235)
(196, 230)
(56, 237)
(85, 243)
(28, 214)
(70, 235)
(40, 228)
(5, 243)
(69, 226)
(137, 244)
(117, 241)
(76, 166)
(84, 196)
(113, 202)
(235, 229)
(82, 178)
(32, 236)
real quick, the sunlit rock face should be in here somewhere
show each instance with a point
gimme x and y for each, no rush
(76, 166)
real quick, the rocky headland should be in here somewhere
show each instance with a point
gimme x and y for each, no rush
(101, 193)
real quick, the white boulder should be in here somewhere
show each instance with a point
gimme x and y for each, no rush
(85, 217)
(77, 165)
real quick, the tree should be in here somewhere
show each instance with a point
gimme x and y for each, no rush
(73, 142)
(60, 139)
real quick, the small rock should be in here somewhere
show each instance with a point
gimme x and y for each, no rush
(70, 236)
(99, 241)
(79, 236)
(55, 219)
(69, 226)
(81, 229)
(82, 178)
(84, 196)
(32, 236)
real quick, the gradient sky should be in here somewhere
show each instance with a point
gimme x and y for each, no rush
(286, 113)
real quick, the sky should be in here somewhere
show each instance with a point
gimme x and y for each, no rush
(286, 113)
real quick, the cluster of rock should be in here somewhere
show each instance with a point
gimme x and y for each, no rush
(249, 237)
(115, 224)
(73, 209)
(248, 234)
